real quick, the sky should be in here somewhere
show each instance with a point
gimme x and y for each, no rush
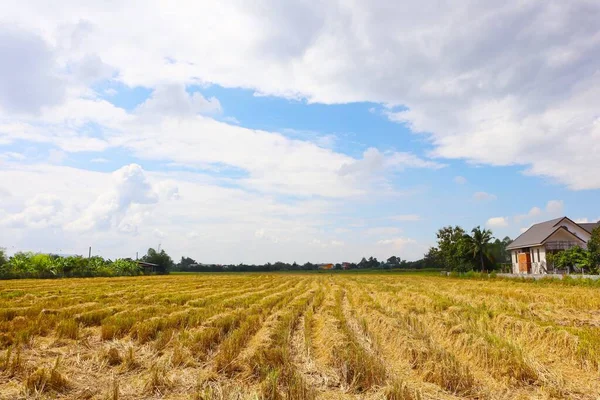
(321, 131)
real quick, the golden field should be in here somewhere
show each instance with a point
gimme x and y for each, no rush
(298, 336)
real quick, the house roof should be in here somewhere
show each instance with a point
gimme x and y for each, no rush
(538, 233)
(589, 226)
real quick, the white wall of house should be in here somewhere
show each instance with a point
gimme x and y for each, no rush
(538, 259)
(537, 255)
(514, 259)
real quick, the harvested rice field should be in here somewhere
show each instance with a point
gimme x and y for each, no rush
(305, 336)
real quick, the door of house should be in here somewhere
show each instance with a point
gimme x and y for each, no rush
(525, 263)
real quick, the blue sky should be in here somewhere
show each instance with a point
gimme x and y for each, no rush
(290, 134)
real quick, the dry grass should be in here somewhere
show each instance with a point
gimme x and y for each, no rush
(277, 336)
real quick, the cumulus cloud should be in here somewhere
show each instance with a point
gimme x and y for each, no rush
(91, 69)
(4, 193)
(42, 211)
(173, 100)
(484, 196)
(494, 83)
(497, 222)
(29, 76)
(130, 189)
(491, 83)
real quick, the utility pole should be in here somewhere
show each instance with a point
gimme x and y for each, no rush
(136, 255)
(90, 252)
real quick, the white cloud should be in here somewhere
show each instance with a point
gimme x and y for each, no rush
(586, 220)
(99, 160)
(4, 193)
(530, 101)
(56, 156)
(173, 100)
(11, 155)
(484, 196)
(121, 213)
(555, 207)
(533, 213)
(497, 222)
(397, 243)
(29, 78)
(382, 231)
(326, 243)
(42, 211)
(120, 206)
(90, 69)
(461, 180)
(374, 161)
(406, 217)
(491, 83)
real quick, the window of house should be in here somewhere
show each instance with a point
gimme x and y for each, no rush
(538, 251)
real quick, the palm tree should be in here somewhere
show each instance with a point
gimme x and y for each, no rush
(478, 243)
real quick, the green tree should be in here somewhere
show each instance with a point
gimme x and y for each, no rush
(363, 263)
(185, 263)
(452, 247)
(593, 248)
(372, 262)
(575, 256)
(3, 257)
(478, 244)
(161, 259)
(433, 258)
(393, 260)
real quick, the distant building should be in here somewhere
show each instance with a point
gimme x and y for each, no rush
(326, 266)
(148, 267)
(529, 250)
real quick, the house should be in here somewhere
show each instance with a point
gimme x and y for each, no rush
(326, 266)
(528, 251)
(146, 266)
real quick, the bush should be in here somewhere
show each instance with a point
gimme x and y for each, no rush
(38, 265)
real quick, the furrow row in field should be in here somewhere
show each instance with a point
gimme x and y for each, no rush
(580, 345)
(469, 332)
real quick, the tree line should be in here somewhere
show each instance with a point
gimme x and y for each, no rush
(188, 264)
